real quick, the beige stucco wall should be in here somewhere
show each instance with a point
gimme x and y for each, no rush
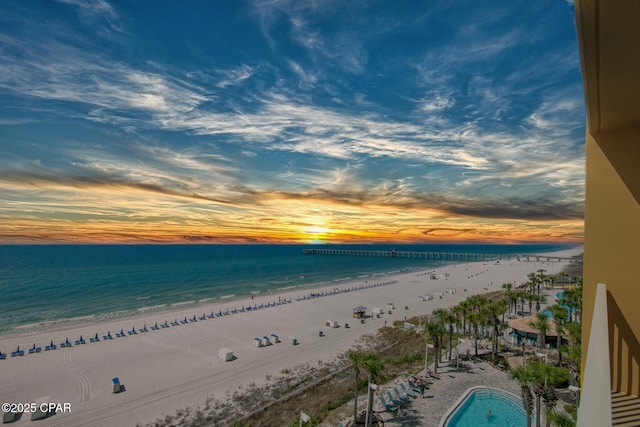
(612, 248)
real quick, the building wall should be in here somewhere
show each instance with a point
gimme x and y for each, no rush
(612, 248)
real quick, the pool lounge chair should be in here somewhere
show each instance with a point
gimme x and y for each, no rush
(117, 387)
(407, 391)
(394, 400)
(387, 406)
(401, 396)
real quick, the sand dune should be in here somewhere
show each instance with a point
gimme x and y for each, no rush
(167, 369)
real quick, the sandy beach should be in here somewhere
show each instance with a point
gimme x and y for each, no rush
(171, 368)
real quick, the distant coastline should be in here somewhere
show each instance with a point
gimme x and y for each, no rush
(61, 286)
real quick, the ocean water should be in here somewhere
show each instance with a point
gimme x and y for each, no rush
(44, 285)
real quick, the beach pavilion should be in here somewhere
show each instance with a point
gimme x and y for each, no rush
(360, 312)
(525, 333)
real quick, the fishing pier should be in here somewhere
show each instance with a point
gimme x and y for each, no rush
(443, 256)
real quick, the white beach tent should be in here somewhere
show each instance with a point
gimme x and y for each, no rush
(225, 354)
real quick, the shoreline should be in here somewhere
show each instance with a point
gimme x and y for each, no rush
(177, 367)
(206, 304)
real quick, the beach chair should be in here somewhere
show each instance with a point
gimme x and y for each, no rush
(175, 323)
(276, 338)
(185, 321)
(394, 400)
(51, 346)
(387, 406)
(120, 334)
(203, 317)
(95, 339)
(3, 355)
(155, 327)
(117, 387)
(407, 391)
(144, 328)
(132, 331)
(401, 396)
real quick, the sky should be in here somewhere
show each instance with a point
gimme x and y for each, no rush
(285, 121)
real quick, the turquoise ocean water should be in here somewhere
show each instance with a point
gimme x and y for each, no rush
(44, 284)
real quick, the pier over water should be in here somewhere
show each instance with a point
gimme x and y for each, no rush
(444, 256)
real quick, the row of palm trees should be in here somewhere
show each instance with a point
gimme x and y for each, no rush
(471, 317)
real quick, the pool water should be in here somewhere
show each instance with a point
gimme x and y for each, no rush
(488, 407)
(548, 313)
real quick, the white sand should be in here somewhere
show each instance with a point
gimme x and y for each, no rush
(178, 367)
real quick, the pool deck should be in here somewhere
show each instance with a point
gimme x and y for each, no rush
(446, 391)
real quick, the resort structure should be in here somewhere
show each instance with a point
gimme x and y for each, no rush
(609, 36)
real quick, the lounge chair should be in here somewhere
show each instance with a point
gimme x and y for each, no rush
(120, 334)
(35, 349)
(394, 400)
(51, 346)
(185, 321)
(95, 339)
(17, 352)
(155, 327)
(132, 331)
(66, 343)
(144, 328)
(407, 391)
(117, 387)
(387, 406)
(3, 355)
(203, 317)
(401, 396)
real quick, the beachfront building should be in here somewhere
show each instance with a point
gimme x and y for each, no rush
(609, 40)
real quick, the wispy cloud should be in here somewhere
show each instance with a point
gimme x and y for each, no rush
(354, 107)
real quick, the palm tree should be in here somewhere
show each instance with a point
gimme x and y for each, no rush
(560, 317)
(508, 293)
(357, 359)
(493, 309)
(541, 324)
(538, 379)
(525, 377)
(440, 315)
(560, 419)
(373, 365)
(435, 331)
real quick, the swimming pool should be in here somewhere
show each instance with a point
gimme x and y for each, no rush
(486, 407)
(548, 313)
